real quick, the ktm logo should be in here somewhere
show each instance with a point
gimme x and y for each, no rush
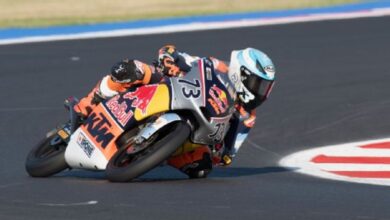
(98, 126)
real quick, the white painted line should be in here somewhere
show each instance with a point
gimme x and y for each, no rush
(201, 26)
(93, 202)
(28, 109)
(10, 185)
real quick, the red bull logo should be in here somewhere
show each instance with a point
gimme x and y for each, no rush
(119, 110)
(142, 97)
(219, 99)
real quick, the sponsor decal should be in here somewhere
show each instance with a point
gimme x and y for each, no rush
(99, 127)
(142, 97)
(214, 105)
(360, 162)
(119, 69)
(218, 99)
(217, 136)
(119, 111)
(234, 77)
(85, 145)
(270, 70)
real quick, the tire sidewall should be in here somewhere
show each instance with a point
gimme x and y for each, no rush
(44, 167)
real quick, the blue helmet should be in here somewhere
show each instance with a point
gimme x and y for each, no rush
(253, 75)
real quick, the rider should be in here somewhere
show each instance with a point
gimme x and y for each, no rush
(124, 75)
(251, 71)
(132, 73)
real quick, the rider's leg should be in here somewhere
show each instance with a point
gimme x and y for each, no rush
(195, 162)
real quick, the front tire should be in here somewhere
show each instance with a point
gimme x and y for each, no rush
(124, 167)
(46, 159)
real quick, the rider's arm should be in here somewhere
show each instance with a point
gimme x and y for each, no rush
(219, 65)
(108, 87)
(238, 132)
(188, 58)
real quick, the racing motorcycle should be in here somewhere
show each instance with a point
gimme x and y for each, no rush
(137, 130)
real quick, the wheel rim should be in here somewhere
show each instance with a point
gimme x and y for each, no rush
(124, 158)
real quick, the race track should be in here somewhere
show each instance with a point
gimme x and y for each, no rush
(332, 87)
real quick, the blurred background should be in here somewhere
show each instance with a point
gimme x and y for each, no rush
(41, 13)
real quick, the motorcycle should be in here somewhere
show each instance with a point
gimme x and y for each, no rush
(135, 131)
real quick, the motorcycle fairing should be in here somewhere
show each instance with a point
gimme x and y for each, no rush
(204, 92)
(94, 142)
(134, 106)
(160, 102)
(81, 153)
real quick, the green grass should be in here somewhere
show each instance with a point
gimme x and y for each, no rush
(38, 13)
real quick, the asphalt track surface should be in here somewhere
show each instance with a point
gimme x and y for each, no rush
(332, 87)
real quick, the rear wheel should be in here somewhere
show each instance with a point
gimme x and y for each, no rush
(47, 158)
(132, 161)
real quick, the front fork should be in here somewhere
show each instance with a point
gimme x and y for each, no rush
(73, 116)
(69, 103)
(64, 131)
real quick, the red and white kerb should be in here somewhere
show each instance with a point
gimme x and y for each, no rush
(361, 162)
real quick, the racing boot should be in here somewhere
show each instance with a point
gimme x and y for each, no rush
(196, 163)
(221, 156)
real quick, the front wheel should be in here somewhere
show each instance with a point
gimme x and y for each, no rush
(124, 166)
(47, 158)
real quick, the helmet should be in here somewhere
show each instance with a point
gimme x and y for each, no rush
(171, 62)
(167, 57)
(126, 71)
(253, 74)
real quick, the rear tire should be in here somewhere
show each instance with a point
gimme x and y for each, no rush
(124, 167)
(45, 160)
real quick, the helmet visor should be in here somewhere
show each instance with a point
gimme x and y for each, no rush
(258, 86)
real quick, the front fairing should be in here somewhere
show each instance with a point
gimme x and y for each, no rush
(94, 143)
